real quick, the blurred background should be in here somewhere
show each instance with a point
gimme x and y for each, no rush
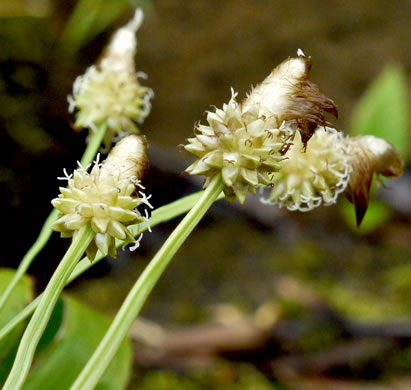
(325, 306)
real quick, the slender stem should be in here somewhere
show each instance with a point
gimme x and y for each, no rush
(41, 316)
(136, 298)
(93, 144)
(162, 214)
(45, 233)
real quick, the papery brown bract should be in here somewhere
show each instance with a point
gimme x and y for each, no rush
(288, 94)
(369, 155)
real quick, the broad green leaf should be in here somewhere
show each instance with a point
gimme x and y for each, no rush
(383, 111)
(20, 297)
(62, 360)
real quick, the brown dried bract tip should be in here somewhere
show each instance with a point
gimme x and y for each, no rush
(309, 104)
(369, 155)
(288, 94)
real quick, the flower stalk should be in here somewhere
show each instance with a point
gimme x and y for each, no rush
(135, 300)
(92, 148)
(158, 216)
(39, 321)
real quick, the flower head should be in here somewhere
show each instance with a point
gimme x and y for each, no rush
(288, 94)
(279, 137)
(106, 198)
(238, 144)
(110, 91)
(313, 175)
(369, 155)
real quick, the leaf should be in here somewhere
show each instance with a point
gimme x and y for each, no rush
(377, 213)
(21, 296)
(62, 360)
(88, 19)
(383, 111)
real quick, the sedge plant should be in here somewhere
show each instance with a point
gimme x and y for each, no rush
(95, 97)
(277, 138)
(276, 142)
(106, 198)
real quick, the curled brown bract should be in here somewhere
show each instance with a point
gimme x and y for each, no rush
(287, 94)
(308, 104)
(369, 155)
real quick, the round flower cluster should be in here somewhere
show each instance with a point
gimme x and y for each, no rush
(117, 98)
(279, 137)
(110, 92)
(238, 144)
(106, 198)
(313, 175)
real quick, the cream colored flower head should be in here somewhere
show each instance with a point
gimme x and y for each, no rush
(111, 91)
(106, 198)
(238, 144)
(312, 176)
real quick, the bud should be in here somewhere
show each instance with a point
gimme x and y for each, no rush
(288, 94)
(369, 155)
(110, 91)
(120, 52)
(106, 197)
(238, 144)
(129, 158)
(313, 175)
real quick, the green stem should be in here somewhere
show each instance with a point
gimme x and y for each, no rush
(162, 214)
(93, 144)
(136, 298)
(45, 233)
(41, 316)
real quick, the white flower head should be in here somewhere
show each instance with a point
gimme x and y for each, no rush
(106, 198)
(111, 91)
(313, 175)
(238, 144)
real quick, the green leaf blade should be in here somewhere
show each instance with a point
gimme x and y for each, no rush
(383, 111)
(81, 331)
(19, 298)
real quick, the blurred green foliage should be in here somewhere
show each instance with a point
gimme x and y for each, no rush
(21, 297)
(383, 111)
(73, 333)
(224, 377)
(90, 18)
